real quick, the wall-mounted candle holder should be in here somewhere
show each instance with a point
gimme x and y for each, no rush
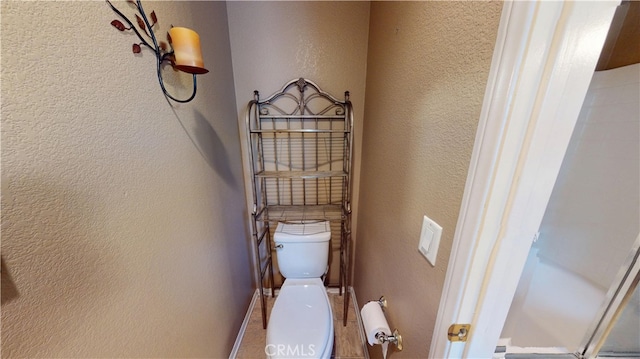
(182, 51)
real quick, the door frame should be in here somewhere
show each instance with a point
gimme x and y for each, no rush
(543, 61)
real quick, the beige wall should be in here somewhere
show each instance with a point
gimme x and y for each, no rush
(326, 42)
(427, 68)
(124, 234)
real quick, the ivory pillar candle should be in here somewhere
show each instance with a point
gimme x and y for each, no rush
(186, 49)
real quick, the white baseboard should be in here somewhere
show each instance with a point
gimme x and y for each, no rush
(243, 327)
(333, 290)
(363, 337)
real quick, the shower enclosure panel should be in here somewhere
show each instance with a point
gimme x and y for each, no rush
(300, 144)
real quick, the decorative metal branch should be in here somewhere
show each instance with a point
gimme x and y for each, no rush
(159, 48)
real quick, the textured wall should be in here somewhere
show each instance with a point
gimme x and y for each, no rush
(326, 42)
(123, 232)
(427, 68)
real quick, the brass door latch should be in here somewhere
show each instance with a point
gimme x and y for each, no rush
(458, 332)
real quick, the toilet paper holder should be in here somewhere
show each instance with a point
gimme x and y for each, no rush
(382, 301)
(395, 338)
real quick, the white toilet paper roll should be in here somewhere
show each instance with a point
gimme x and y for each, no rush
(374, 321)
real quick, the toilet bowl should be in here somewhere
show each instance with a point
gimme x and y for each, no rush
(301, 322)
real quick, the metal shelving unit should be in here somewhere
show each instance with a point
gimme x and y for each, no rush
(300, 145)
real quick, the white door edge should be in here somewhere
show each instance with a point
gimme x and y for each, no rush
(543, 61)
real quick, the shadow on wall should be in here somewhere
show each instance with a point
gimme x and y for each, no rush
(210, 146)
(212, 149)
(9, 289)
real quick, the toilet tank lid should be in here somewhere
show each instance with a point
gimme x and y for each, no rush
(303, 232)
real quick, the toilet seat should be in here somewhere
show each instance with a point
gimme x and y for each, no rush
(301, 322)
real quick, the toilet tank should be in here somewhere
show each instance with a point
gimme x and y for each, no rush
(302, 249)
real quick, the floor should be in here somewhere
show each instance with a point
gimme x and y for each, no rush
(347, 343)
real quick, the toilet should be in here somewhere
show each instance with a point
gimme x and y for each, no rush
(301, 321)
